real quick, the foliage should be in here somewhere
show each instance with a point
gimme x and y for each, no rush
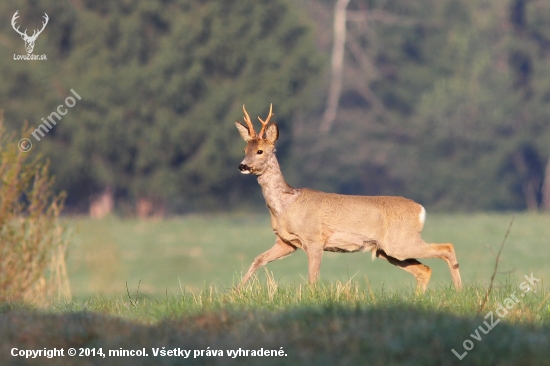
(32, 243)
(161, 83)
(479, 123)
(445, 102)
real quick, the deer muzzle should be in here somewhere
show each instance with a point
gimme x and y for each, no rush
(245, 169)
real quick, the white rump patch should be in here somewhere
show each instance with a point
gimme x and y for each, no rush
(422, 216)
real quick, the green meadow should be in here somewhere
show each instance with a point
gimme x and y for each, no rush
(168, 285)
(192, 252)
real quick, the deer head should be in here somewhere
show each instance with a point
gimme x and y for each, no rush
(259, 148)
(29, 40)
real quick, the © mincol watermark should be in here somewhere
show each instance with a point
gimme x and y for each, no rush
(501, 311)
(25, 144)
(29, 40)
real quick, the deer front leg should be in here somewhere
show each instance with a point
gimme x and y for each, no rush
(278, 251)
(314, 257)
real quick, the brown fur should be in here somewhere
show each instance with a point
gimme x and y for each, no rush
(316, 221)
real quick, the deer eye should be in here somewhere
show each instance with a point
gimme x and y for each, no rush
(260, 152)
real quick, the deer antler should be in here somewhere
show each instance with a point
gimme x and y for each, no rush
(13, 19)
(249, 123)
(43, 26)
(24, 34)
(264, 124)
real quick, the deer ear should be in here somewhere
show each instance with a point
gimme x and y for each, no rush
(245, 134)
(272, 133)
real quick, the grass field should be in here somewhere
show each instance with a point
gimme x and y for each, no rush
(196, 251)
(180, 273)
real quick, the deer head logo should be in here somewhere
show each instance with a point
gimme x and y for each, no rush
(29, 40)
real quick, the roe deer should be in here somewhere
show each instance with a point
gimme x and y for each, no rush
(315, 221)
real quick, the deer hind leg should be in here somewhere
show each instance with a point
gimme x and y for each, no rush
(421, 272)
(443, 251)
(447, 253)
(278, 251)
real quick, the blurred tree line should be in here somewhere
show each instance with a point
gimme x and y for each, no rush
(442, 101)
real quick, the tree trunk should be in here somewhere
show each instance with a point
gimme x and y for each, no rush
(530, 181)
(150, 208)
(546, 187)
(101, 205)
(530, 194)
(337, 65)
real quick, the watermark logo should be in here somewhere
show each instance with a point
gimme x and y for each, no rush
(501, 311)
(29, 40)
(25, 144)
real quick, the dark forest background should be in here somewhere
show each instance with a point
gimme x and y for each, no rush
(443, 101)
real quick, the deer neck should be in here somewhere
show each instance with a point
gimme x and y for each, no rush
(277, 193)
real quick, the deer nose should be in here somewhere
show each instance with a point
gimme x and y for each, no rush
(243, 167)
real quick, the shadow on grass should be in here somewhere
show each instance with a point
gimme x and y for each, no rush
(311, 335)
